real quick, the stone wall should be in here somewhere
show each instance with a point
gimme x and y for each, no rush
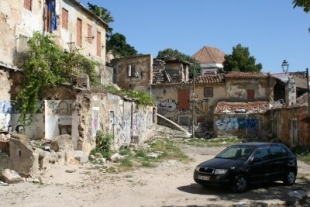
(125, 120)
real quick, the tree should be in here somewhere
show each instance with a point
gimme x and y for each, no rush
(302, 3)
(240, 60)
(103, 14)
(117, 43)
(47, 65)
(170, 53)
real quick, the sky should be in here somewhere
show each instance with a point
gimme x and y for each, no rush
(272, 30)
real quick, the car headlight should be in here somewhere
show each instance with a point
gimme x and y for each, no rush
(197, 168)
(220, 171)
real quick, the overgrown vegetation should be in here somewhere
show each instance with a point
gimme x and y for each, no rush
(47, 65)
(170, 53)
(103, 144)
(141, 97)
(157, 152)
(214, 142)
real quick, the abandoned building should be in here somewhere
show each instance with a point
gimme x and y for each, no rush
(77, 109)
(204, 106)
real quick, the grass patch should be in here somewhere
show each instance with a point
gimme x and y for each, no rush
(159, 151)
(214, 142)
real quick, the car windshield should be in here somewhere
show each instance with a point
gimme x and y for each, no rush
(236, 152)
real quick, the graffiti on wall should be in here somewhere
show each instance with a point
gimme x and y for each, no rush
(5, 114)
(168, 105)
(59, 107)
(236, 123)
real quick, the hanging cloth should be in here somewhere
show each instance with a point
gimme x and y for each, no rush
(52, 9)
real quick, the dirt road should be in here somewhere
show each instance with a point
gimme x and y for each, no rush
(169, 184)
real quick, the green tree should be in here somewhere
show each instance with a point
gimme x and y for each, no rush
(240, 60)
(117, 43)
(305, 4)
(47, 66)
(170, 53)
(103, 14)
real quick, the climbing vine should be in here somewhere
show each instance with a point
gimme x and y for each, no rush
(47, 65)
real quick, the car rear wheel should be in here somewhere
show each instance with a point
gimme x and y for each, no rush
(240, 184)
(290, 178)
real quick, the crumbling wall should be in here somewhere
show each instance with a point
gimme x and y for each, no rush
(126, 121)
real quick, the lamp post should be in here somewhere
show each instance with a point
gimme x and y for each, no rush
(285, 66)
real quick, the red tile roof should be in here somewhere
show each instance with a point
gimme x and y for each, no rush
(219, 78)
(237, 75)
(209, 55)
(257, 107)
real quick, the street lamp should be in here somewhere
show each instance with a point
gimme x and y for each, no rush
(285, 66)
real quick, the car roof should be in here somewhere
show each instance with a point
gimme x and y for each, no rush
(256, 144)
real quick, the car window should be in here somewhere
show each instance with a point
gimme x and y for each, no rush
(236, 152)
(277, 151)
(261, 153)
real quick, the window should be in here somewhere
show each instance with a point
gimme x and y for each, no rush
(98, 43)
(277, 151)
(27, 4)
(79, 32)
(261, 153)
(64, 18)
(208, 92)
(89, 37)
(250, 94)
(50, 17)
(131, 70)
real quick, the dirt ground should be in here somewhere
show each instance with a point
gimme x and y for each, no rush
(169, 184)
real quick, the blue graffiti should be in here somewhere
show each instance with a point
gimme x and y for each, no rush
(236, 123)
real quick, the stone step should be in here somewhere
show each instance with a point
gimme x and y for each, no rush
(80, 156)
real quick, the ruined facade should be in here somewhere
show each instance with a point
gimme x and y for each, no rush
(133, 73)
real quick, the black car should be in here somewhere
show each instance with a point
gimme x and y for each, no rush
(241, 164)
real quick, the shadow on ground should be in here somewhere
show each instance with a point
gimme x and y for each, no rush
(255, 193)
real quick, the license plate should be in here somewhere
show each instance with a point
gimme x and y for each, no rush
(200, 177)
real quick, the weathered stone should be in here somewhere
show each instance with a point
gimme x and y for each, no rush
(63, 143)
(80, 156)
(21, 137)
(10, 176)
(22, 157)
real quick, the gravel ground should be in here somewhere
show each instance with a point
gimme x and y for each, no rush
(169, 184)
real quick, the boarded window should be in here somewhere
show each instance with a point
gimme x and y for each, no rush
(250, 94)
(64, 18)
(89, 37)
(183, 96)
(79, 32)
(208, 92)
(98, 43)
(27, 4)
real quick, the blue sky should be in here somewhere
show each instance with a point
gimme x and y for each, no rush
(272, 29)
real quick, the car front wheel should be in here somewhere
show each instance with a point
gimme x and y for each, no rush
(290, 178)
(240, 184)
